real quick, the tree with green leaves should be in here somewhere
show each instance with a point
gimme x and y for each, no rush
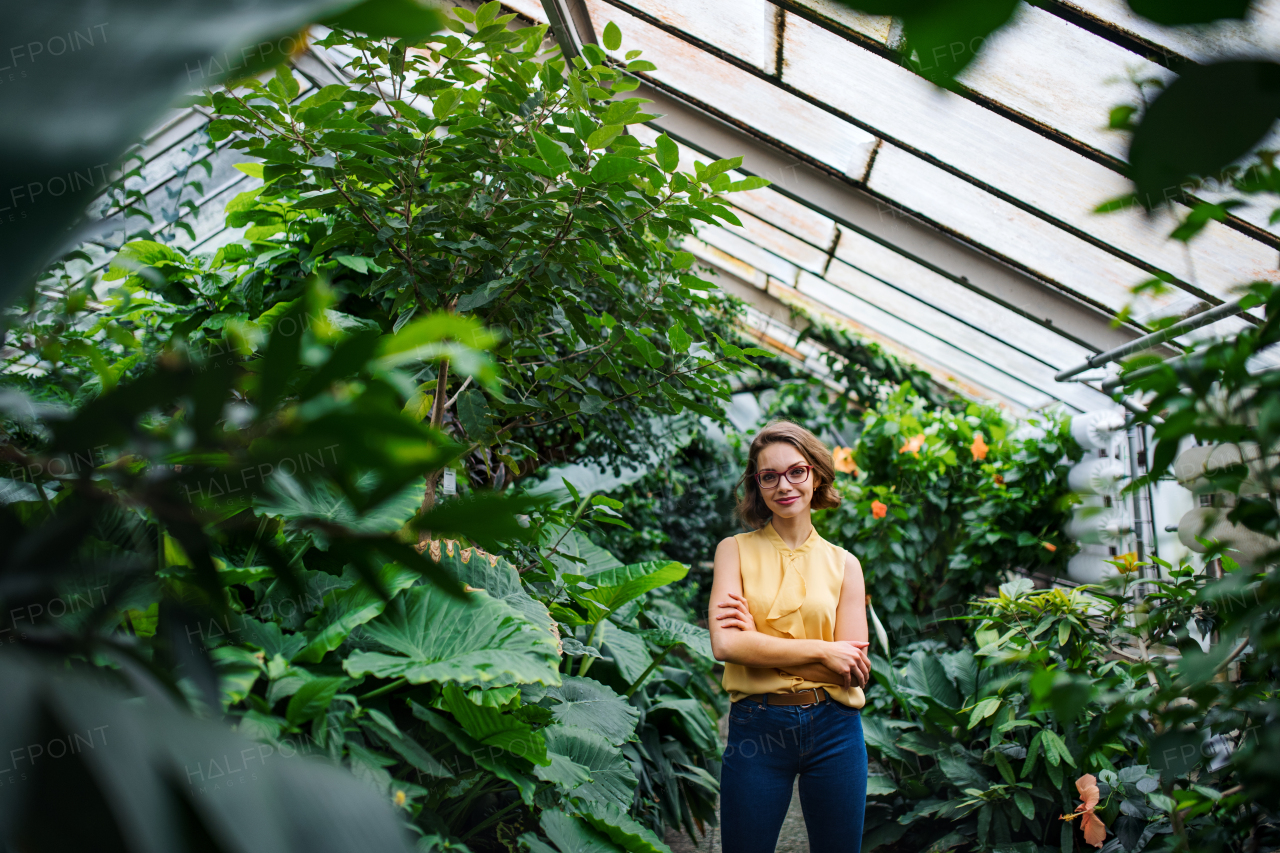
(480, 176)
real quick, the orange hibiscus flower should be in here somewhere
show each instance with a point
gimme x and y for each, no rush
(1049, 546)
(878, 510)
(1095, 831)
(844, 460)
(913, 444)
(979, 447)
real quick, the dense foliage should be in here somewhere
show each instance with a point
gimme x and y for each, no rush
(981, 747)
(1224, 693)
(481, 177)
(940, 505)
(218, 466)
(242, 449)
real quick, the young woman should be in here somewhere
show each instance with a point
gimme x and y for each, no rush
(788, 618)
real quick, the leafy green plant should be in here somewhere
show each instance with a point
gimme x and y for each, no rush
(478, 176)
(269, 424)
(1223, 796)
(992, 737)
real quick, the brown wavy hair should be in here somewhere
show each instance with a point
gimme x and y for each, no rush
(752, 509)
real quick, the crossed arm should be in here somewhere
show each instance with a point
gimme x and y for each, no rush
(734, 637)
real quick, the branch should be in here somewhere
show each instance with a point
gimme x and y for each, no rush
(455, 397)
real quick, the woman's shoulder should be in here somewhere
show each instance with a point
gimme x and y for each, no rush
(746, 536)
(729, 542)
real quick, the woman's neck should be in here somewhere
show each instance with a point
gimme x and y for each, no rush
(794, 531)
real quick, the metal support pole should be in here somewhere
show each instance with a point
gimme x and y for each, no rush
(1136, 410)
(1143, 372)
(1132, 438)
(1192, 361)
(570, 24)
(1204, 318)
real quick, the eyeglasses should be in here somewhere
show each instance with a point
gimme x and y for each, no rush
(795, 476)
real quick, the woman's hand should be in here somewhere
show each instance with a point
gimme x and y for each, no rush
(848, 660)
(734, 613)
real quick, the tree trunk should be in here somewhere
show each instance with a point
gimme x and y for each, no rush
(437, 418)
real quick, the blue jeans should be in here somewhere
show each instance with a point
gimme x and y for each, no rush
(770, 744)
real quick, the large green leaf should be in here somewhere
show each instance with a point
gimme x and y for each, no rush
(268, 637)
(321, 501)
(615, 587)
(312, 699)
(128, 62)
(624, 831)
(1181, 12)
(672, 632)
(192, 784)
(629, 651)
(504, 765)
(1205, 120)
(572, 835)
(408, 19)
(611, 778)
(879, 734)
(347, 609)
(927, 676)
(577, 546)
(587, 703)
(563, 772)
(494, 728)
(692, 717)
(942, 37)
(962, 668)
(408, 748)
(495, 575)
(431, 636)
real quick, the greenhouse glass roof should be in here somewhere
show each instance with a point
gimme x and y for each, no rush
(954, 228)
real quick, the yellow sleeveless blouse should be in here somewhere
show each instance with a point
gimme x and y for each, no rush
(791, 593)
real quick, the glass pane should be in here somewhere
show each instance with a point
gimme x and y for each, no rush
(945, 356)
(1257, 36)
(857, 258)
(1008, 231)
(790, 216)
(906, 344)
(1059, 75)
(776, 241)
(878, 27)
(1007, 157)
(748, 252)
(744, 29)
(732, 91)
(531, 9)
(873, 259)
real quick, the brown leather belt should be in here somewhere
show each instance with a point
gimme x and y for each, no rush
(809, 696)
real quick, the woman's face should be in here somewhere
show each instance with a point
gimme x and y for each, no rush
(785, 499)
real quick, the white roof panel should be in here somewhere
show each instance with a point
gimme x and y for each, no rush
(734, 92)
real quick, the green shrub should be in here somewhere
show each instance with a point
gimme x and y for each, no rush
(944, 503)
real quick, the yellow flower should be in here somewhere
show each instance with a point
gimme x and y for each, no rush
(399, 798)
(979, 447)
(844, 460)
(913, 444)
(1126, 563)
